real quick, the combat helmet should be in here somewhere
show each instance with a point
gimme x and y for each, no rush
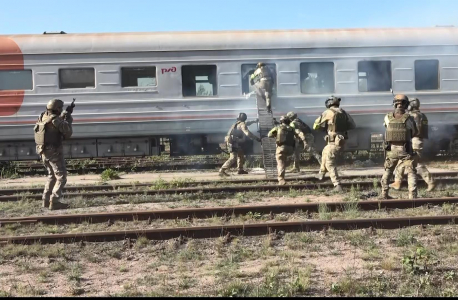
(260, 64)
(55, 105)
(401, 99)
(285, 120)
(331, 101)
(291, 115)
(242, 117)
(414, 103)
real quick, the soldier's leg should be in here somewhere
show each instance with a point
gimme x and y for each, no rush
(240, 162)
(398, 174)
(410, 167)
(324, 157)
(267, 86)
(423, 171)
(57, 163)
(331, 166)
(229, 163)
(281, 156)
(297, 156)
(311, 147)
(390, 164)
(49, 186)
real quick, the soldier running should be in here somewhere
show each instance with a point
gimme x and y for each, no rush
(52, 127)
(285, 139)
(235, 139)
(400, 129)
(299, 147)
(336, 122)
(263, 80)
(417, 145)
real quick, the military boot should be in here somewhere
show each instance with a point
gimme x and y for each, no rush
(53, 205)
(338, 188)
(320, 176)
(431, 186)
(223, 174)
(295, 170)
(384, 195)
(412, 195)
(45, 203)
(281, 182)
(396, 185)
(242, 172)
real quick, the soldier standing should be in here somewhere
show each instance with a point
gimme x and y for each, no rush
(336, 122)
(417, 145)
(52, 127)
(299, 147)
(400, 129)
(235, 139)
(263, 80)
(285, 140)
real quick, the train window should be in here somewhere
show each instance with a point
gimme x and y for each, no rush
(199, 80)
(317, 78)
(77, 78)
(16, 80)
(427, 74)
(138, 77)
(247, 70)
(374, 76)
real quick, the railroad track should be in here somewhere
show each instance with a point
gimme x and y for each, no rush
(212, 190)
(105, 187)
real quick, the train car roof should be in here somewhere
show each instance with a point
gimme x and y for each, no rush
(227, 40)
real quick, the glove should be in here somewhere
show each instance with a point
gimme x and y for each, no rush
(258, 140)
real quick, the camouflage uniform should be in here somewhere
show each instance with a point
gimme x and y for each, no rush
(399, 153)
(56, 129)
(286, 147)
(263, 80)
(234, 141)
(417, 145)
(335, 141)
(299, 145)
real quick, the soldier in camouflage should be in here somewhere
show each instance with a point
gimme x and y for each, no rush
(285, 139)
(400, 129)
(336, 122)
(299, 147)
(263, 80)
(235, 139)
(52, 127)
(417, 145)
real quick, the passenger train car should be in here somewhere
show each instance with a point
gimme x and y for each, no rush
(132, 89)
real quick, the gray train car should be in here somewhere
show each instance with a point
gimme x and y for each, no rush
(133, 89)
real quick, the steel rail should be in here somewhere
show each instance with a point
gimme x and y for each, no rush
(213, 190)
(224, 211)
(6, 192)
(238, 229)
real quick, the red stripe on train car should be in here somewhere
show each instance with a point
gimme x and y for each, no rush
(11, 59)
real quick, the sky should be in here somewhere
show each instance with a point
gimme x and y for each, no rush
(85, 16)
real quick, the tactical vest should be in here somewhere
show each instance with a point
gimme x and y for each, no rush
(285, 136)
(46, 134)
(302, 126)
(234, 133)
(340, 122)
(261, 73)
(397, 131)
(422, 123)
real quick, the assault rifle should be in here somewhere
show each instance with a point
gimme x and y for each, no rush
(69, 109)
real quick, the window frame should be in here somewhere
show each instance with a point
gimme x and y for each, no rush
(438, 75)
(19, 70)
(376, 61)
(76, 88)
(318, 62)
(139, 87)
(214, 85)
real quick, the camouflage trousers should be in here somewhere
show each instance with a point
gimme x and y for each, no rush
(299, 147)
(403, 160)
(264, 91)
(53, 160)
(328, 162)
(281, 154)
(421, 169)
(236, 156)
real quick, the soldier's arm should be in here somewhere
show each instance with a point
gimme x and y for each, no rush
(64, 126)
(251, 122)
(417, 121)
(245, 130)
(300, 135)
(414, 127)
(320, 122)
(272, 132)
